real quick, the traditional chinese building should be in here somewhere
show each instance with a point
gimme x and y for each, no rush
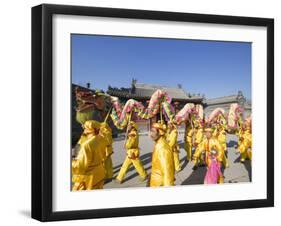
(142, 92)
(225, 102)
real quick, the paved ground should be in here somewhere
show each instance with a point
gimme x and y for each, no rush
(237, 172)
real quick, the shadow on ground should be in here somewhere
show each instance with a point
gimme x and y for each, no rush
(248, 166)
(196, 177)
(231, 143)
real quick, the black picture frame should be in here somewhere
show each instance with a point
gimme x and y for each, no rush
(42, 111)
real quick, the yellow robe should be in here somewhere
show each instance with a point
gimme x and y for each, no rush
(188, 141)
(77, 147)
(198, 139)
(221, 135)
(239, 134)
(106, 132)
(172, 138)
(245, 146)
(82, 139)
(132, 146)
(162, 169)
(222, 138)
(199, 136)
(216, 131)
(87, 169)
(206, 146)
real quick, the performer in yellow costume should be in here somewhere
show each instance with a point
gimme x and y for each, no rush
(106, 132)
(245, 146)
(132, 146)
(188, 140)
(172, 139)
(221, 136)
(199, 134)
(209, 143)
(239, 133)
(162, 169)
(87, 168)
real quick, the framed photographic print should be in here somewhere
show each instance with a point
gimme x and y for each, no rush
(145, 112)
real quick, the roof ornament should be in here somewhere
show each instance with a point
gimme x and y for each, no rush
(133, 85)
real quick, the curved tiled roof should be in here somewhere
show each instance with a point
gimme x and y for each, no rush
(146, 90)
(226, 99)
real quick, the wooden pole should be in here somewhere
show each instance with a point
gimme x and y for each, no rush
(108, 113)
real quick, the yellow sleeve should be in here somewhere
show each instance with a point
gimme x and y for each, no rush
(167, 164)
(107, 134)
(220, 150)
(82, 139)
(250, 139)
(247, 139)
(173, 139)
(132, 140)
(79, 165)
(215, 133)
(200, 148)
(199, 136)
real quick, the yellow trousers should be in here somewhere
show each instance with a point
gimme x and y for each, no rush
(108, 168)
(177, 161)
(188, 149)
(127, 163)
(243, 156)
(225, 160)
(221, 180)
(198, 156)
(245, 153)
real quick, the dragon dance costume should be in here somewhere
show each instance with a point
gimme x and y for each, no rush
(132, 146)
(162, 169)
(87, 168)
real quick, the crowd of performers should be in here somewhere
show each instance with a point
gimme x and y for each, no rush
(205, 145)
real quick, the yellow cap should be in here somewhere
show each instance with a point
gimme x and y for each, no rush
(160, 127)
(91, 125)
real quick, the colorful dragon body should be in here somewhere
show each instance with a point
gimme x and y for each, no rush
(160, 102)
(235, 116)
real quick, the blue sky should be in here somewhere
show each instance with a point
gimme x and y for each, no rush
(207, 67)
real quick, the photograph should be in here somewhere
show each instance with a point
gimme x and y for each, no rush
(153, 112)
